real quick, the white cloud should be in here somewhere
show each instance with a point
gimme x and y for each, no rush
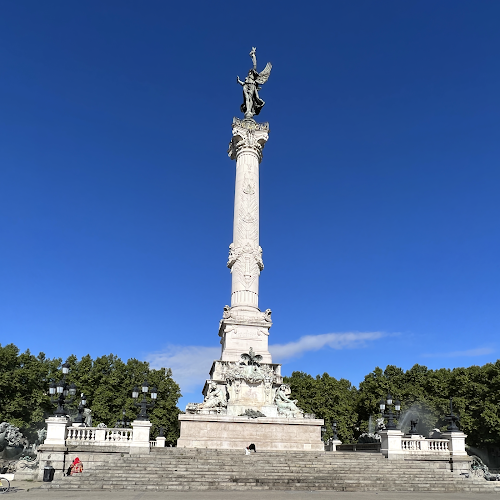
(479, 351)
(348, 340)
(190, 364)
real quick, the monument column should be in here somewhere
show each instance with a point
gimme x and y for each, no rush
(245, 254)
(243, 325)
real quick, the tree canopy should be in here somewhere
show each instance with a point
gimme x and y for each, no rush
(423, 392)
(107, 383)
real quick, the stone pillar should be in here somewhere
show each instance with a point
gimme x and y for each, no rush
(245, 259)
(53, 450)
(243, 325)
(100, 435)
(56, 431)
(390, 445)
(334, 443)
(140, 437)
(456, 443)
(160, 442)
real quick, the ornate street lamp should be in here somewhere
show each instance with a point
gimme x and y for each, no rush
(123, 423)
(452, 419)
(323, 432)
(389, 415)
(59, 393)
(83, 402)
(334, 431)
(144, 405)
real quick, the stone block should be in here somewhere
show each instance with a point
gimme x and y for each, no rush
(230, 432)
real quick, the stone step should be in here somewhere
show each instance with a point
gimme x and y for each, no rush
(180, 469)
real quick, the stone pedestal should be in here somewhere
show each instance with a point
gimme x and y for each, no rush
(56, 431)
(160, 442)
(334, 443)
(140, 438)
(456, 444)
(390, 445)
(225, 432)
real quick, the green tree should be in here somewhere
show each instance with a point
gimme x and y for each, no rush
(328, 398)
(24, 400)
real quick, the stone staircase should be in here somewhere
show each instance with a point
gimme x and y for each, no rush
(202, 469)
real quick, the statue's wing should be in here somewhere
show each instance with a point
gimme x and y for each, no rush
(264, 74)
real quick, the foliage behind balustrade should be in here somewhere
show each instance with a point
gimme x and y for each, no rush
(106, 381)
(475, 391)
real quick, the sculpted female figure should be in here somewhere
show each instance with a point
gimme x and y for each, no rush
(252, 103)
(286, 405)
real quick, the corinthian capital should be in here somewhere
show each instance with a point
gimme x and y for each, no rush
(248, 135)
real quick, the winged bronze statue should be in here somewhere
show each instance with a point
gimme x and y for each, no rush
(252, 103)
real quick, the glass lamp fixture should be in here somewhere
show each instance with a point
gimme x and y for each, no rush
(135, 392)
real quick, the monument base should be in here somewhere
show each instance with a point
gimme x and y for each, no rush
(227, 432)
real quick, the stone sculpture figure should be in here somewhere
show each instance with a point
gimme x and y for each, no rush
(216, 397)
(287, 406)
(12, 441)
(252, 103)
(251, 358)
(87, 412)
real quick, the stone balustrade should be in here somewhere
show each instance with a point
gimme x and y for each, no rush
(99, 436)
(396, 445)
(422, 445)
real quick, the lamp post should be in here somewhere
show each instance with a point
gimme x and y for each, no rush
(123, 423)
(83, 401)
(452, 419)
(59, 393)
(323, 432)
(389, 415)
(334, 431)
(144, 405)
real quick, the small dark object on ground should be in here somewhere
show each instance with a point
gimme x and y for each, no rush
(48, 474)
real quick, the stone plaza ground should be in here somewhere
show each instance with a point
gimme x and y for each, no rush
(31, 491)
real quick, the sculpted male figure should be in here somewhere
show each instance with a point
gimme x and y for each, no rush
(252, 103)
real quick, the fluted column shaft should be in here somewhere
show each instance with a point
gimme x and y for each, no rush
(245, 253)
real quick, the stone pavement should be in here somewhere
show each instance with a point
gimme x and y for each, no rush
(27, 490)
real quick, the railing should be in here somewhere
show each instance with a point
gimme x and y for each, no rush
(114, 435)
(81, 434)
(425, 446)
(439, 445)
(152, 444)
(99, 436)
(363, 447)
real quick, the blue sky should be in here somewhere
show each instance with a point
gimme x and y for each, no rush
(379, 184)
